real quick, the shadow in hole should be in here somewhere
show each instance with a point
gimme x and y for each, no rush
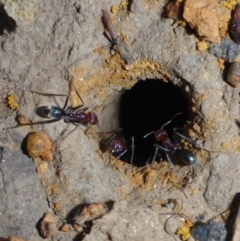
(225, 72)
(38, 227)
(234, 211)
(6, 22)
(86, 230)
(237, 122)
(145, 108)
(77, 209)
(24, 145)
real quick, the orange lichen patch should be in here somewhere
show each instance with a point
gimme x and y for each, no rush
(114, 72)
(146, 178)
(11, 102)
(99, 51)
(57, 206)
(39, 145)
(48, 225)
(203, 16)
(65, 228)
(168, 177)
(225, 146)
(42, 167)
(184, 230)
(14, 238)
(221, 64)
(53, 188)
(149, 178)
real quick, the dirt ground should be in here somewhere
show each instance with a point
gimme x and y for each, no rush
(60, 43)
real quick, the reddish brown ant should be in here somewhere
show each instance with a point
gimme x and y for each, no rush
(171, 149)
(72, 115)
(116, 144)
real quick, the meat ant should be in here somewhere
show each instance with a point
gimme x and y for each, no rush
(116, 144)
(171, 149)
(72, 115)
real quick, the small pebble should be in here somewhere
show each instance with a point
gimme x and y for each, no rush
(227, 50)
(39, 145)
(48, 225)
(211, 231)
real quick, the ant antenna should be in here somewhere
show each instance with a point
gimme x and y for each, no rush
(171, 119)
(163, 124)
(149, 134)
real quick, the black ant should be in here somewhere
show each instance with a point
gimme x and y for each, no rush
(116, 144)
(72, 115)
(171, 148)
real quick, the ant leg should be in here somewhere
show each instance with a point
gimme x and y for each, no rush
(155, 154)
(112, 136)
(171, 163)
(70, 108)
(123, 152)
(182, 136)
(118, 131)
(78, 95)
(167, 152)
(33, 123)
(49, 94)
(66, 135)
(132, 150)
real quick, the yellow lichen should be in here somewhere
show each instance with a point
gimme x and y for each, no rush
(184, 230)
(124, 4)
(114, 9)
(181, 23)
(202, 45)
(229, 3)
(11, 102)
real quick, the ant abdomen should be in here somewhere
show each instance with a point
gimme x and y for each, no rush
(186, 157)
(50, 112)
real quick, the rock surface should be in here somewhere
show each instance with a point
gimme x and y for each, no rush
(60, 43)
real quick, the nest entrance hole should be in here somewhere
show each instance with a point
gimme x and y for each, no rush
(145, 108)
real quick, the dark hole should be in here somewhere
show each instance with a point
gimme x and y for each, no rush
(6, 22)
(145, 108)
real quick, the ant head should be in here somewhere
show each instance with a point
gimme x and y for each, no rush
(117, 145)
(171, 120)
(92, 118)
